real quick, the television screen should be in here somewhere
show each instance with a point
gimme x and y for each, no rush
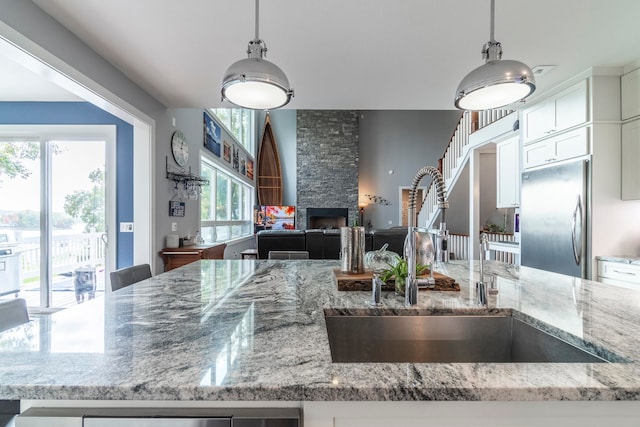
(278, 217)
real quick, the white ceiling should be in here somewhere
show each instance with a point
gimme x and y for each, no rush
(17, 83)
(347, 54)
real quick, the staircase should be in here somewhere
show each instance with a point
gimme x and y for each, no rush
(456, 155)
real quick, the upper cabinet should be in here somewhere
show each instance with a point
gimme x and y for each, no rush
(508, 173)
(630, 102)
(630, 83)
(630, 160)
(556, 148)
(567, 109)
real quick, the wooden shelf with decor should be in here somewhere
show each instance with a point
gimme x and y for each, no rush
(177, 257)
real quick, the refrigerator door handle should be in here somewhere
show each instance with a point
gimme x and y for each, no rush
(577, 243)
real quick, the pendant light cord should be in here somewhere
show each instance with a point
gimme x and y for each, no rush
(258, 18)
(493, 11)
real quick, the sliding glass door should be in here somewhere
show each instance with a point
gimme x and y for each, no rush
(52, 212)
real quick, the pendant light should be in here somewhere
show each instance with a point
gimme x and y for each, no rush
(496, 83)
(254, 82)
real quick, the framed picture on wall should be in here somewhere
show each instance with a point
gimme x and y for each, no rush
(212, 134)
(243, 166)
(226, 151)
(236, 158)
(176, 208)
(249, 168)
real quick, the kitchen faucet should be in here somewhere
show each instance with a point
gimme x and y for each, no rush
(413, 232)
(481, 286)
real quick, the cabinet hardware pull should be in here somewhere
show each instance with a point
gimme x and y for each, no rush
(629, 273)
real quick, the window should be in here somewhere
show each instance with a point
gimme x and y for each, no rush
(239, 123)
(225, 209)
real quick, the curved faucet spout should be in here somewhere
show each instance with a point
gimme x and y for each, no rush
(411, 288)
(413, 192)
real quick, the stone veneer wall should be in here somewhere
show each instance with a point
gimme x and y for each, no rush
(327, 162)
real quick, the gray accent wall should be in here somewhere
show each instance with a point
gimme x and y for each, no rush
(327, 162)
(394, 146)
(457, 215)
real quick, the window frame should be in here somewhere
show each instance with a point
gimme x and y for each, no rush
(249, 140)
(247, 194)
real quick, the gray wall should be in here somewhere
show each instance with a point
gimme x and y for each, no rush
(488, 187)
(190, 122)
(457, 216)
(402, 142)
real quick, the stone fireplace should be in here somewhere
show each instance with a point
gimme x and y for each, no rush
(327, 160)
(327, 218)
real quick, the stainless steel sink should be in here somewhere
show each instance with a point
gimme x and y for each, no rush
(446, 339)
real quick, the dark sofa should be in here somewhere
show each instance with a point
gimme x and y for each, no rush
(325, 244)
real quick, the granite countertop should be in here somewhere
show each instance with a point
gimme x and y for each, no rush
(623, 259)
(255, 330)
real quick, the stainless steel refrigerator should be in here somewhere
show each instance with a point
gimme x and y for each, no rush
(554, 216)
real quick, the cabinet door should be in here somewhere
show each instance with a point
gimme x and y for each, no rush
(571, 144)
(630, 160)
(508, 174)
(538, 154)
(565, 110)
(571, 107)
(539, 120)
(631, 95)
(562, 147)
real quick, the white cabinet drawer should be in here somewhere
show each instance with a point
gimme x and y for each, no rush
(628, 273)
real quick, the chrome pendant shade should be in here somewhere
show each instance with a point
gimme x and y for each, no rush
(496, 83)
(254, 82)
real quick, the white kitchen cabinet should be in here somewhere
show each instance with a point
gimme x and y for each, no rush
(508, 173)
(630, 160)
(618, 273)
(630, 95)
(561, 147)
(565, 110)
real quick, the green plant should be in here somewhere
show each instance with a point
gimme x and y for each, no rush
(400, 270)
(494, 228)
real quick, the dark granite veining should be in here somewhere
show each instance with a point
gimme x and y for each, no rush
(255, 330)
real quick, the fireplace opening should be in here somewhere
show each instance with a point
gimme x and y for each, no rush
(327, 218)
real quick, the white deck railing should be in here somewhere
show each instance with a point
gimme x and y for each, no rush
(68, 252)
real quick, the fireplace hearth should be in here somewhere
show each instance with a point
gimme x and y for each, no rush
(327, 218)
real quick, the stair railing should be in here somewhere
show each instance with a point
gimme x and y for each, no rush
(451, 163)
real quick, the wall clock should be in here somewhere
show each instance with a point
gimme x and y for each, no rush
(179, 148)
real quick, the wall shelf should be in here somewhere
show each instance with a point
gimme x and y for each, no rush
(183, 177)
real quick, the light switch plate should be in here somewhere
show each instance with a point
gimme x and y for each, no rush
(174, 226)
(126, 227)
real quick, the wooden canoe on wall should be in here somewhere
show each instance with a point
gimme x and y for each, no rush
(269, 171)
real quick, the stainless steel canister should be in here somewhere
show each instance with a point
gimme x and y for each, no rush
(352, 249)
